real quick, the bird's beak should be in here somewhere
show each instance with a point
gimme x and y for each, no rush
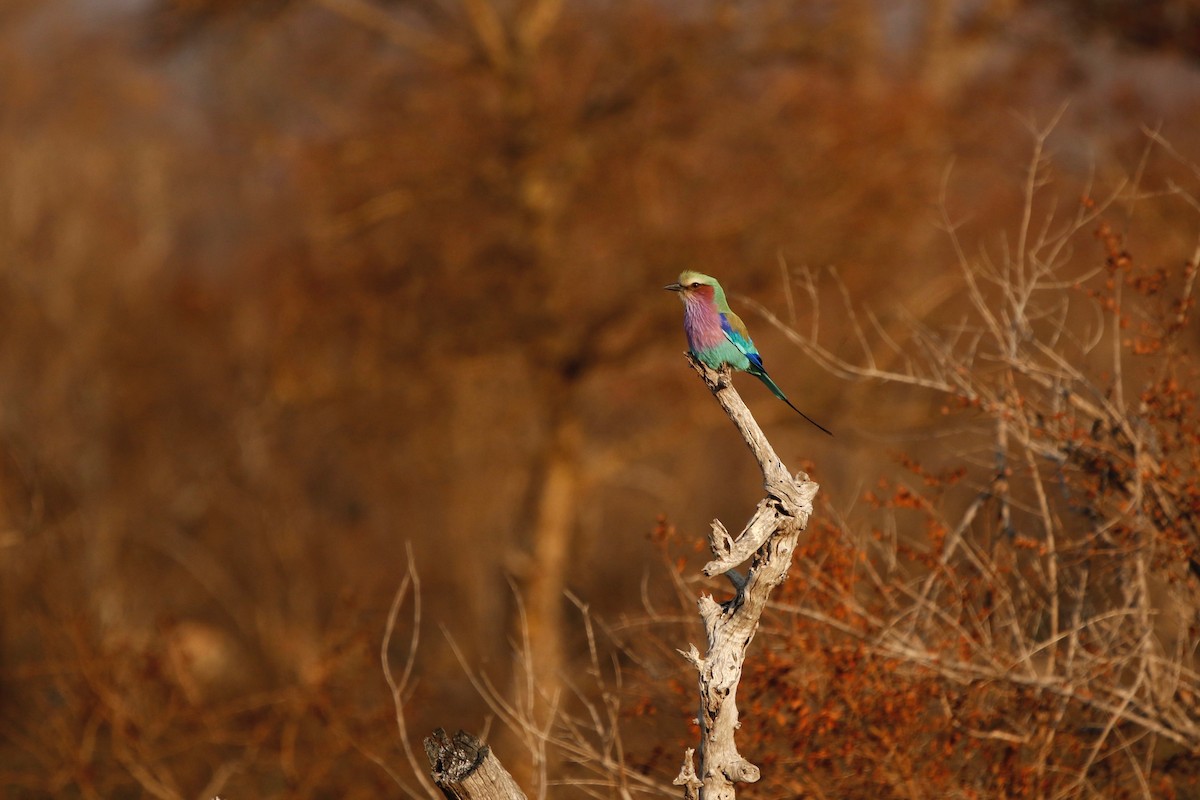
(674, 287)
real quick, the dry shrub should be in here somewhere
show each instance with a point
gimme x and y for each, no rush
(1022, 620)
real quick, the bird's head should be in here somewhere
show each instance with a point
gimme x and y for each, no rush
(694, 283)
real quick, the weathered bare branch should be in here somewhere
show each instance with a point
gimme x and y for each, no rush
(768, 541)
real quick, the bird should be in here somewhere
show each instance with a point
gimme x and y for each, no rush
(717, 337)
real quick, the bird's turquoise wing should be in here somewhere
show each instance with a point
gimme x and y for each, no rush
(736, 333)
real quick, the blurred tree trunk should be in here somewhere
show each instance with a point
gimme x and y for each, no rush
(858, 24)
(511, 41)
(553, 533)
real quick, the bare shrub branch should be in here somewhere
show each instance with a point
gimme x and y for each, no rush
(1062, 574)
(410, 582)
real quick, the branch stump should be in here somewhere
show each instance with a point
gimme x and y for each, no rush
(464, 768)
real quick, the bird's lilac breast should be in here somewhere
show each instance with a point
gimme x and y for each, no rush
(707, 335)
(702, 323)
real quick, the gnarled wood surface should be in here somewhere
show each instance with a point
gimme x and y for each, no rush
(768, 542)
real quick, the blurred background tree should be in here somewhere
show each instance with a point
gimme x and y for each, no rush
(286, 285)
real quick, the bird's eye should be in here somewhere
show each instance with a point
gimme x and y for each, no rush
(696, 285)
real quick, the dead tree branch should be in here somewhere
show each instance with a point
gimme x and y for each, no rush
(768, 541)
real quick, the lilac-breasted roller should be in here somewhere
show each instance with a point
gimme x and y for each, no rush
(717, 336)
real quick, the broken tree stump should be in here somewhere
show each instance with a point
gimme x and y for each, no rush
(465, 768)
